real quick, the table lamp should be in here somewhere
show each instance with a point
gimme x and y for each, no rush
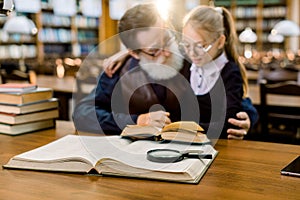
(23, 26)
(275, 39)
(287, 29)
(248, 36)
(6, 6)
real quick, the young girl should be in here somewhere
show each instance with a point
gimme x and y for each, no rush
(209, 41)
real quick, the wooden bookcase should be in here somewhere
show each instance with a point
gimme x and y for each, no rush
(260, 15)
(58, 37)
(11, 45)
(63, 36)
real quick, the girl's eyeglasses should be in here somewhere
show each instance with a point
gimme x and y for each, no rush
(197, 47)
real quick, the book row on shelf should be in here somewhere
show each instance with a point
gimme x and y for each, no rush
(49, 19)
(266, 24)
(15, 51)
(76, 49)
(251, 12)
(64, 35)
(86, 22)
(25, 108)
(55, 35)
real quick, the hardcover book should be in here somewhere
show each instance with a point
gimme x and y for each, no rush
(182, 131)
(9, 118)
(113, 155)
(26, 97)
(17, 87)
(29, 107)
(27, 127)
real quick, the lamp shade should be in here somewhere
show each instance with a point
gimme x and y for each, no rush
(286, 28)
(248, 36)
(20, 25)
(6, 6)
(25, 7)
(275, 38)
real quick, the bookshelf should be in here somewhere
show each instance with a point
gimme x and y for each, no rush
(260, 15)
(72, 36)
(59, 37)
(11, 45)
(67, 36)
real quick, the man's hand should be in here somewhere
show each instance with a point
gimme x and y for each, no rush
(157, 119)
(243, 122)
(114, 62)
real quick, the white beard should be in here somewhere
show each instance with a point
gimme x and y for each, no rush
(169, 69)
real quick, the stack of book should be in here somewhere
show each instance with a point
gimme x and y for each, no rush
(25, 108)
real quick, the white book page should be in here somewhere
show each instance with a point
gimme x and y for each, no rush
(135, 155)
(70, 147)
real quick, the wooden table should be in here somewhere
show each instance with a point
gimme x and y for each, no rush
(275, 100)
(63, 89)
(252, 76)
(242, 170)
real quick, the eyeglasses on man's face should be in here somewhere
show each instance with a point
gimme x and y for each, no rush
(198, 48)
(156, 51)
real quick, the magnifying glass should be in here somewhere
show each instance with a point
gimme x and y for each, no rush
(171, 155)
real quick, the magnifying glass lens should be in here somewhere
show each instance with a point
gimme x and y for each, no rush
(164, 155)
(171, 155)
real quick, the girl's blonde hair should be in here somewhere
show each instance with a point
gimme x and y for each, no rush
(218, 21)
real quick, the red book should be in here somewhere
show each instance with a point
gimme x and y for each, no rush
(17, 87)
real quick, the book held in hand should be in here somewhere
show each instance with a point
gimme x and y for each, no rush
(182, 131)
(17, 87)
(113, 155)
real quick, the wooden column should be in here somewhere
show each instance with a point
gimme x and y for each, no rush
(259, 25)
(293, 15)
(107, 29)
(39, 44)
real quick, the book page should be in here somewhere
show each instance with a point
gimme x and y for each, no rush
(135, 155)
(132, 161)
(68, 147)
(140, 131)
(183, 125)
(71, 147)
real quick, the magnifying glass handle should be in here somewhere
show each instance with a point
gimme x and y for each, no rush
(205, 156)
(199, 156)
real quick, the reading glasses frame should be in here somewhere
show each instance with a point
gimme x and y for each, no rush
(155, 52)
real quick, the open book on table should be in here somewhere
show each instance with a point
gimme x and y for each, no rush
(113, 155)
(182, 131)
